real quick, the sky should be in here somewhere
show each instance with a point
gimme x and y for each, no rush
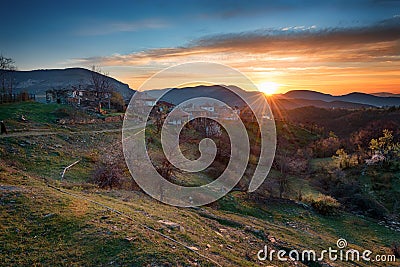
(335, 47)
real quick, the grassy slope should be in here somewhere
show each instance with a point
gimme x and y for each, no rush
(42, 226)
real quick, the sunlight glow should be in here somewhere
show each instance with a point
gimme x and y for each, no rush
(268, 88)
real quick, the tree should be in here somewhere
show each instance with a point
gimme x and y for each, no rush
(7, 66)
(101, 85)
(342, 158)
(386, 146)
(158, 115)
(281, 163)
(207, 127)
(327, 146)
(117, 101)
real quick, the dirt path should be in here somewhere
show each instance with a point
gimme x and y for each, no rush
(36, 133)
(30, 133)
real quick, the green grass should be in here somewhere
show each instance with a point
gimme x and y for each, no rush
(45, 227)
(42, 226)
(32, 111)
(47, 156)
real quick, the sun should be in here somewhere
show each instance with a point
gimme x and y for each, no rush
(268, 88)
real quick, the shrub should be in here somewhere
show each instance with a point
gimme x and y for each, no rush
(386, 148)
(344, 160)
(323, 204)
(107, 176)
(117, 101)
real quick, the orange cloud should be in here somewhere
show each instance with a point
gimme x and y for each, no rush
(332, 60)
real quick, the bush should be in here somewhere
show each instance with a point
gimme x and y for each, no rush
(117, 101)
(107, 176)
(344, 160)
(323, 204)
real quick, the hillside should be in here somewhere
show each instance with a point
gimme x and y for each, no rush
(361, 98)
(44, 226)
(38, 81)
(48, 221)
(290, 104)
(341, 121)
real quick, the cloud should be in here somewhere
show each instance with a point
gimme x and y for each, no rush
(375, 42)
(301, 56)
(104, 28)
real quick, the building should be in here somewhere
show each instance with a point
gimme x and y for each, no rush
(86, 97)
(208, 107)
(178, 117)
(144, 99)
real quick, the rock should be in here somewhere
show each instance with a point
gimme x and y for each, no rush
(208, 246)
(129, 238)
(170, 225)
(218, 234)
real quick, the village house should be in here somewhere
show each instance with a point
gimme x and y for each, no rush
(178, 117)
(195, 112)
(209, 107)
(212, 111)
(144, 99)
(79, 96)
(226, 113)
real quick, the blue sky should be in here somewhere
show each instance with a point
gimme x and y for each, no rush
(59, 34)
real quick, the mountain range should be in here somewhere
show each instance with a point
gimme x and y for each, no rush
(377, 100)
(38, 81)
(289, 100)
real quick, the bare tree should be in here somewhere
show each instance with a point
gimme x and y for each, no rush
(281, 163)
(207, 127)
(158, 116)
(7, 66)
(101, 84)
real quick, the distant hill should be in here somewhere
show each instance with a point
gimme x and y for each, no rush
(282, 103)
(178, 95)
(356, 97)
(38, 81)
(384, 94)
(310, 95)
